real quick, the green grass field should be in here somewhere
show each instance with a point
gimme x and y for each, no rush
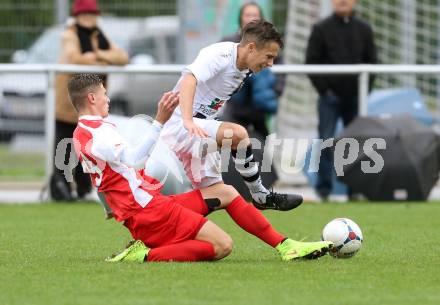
(20, 166)
(53, 254)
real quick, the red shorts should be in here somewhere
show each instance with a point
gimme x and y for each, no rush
(169, 219)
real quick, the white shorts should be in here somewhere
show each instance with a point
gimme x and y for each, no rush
(200, 157)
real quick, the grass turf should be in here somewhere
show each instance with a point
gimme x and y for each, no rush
(20, 166)
(53, 254)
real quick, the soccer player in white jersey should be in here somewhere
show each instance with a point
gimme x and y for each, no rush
(205, 85)
(166, 228)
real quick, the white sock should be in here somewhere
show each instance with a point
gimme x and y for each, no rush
(257, 189)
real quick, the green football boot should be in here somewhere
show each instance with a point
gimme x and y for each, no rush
(136, 251)
(291, 249)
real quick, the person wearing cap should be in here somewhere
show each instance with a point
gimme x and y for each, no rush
(82, 43)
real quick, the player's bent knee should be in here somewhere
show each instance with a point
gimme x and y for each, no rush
(229, 189)
(218, 238)
(226, 194)
(223, 247)
(239, 134)
(230, 193)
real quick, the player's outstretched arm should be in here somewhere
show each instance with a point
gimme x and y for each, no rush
(187, 91)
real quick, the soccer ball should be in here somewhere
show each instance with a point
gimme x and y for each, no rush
(346, 236)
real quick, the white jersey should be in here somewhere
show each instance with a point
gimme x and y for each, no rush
(215, 69)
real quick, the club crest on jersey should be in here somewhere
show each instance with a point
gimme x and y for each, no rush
(216, 104)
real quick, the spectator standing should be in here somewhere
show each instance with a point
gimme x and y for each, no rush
(341, 38)
(83, 43)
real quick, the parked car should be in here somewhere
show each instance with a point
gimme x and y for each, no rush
(147, 40)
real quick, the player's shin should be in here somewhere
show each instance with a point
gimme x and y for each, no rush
(261, 197)
(252, 221)
(187, 251)
(248, 169)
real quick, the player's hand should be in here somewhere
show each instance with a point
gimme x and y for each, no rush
(166, 106)
(194, 129)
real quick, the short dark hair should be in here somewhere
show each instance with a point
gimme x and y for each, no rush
(242, 8)
(261, 32)
(80, 85)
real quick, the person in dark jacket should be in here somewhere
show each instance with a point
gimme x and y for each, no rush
(341, 38)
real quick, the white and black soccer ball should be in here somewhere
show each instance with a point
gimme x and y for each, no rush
(346, 236)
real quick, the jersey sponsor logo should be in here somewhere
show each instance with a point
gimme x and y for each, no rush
(206, 110)
(216, 104)
(211, 109)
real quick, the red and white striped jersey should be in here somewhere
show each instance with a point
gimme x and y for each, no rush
(101, 149)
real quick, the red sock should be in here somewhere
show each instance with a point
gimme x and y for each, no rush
(251, 220)
(187, 251)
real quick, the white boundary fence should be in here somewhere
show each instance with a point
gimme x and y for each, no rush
(363, 71)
